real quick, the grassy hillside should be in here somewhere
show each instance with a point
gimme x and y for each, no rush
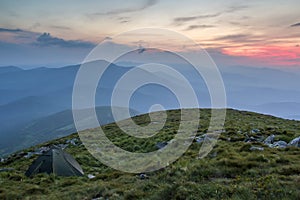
(230, 171)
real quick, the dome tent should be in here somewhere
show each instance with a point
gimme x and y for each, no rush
(55, 161)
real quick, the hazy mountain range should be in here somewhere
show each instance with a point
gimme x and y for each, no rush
(38, 101)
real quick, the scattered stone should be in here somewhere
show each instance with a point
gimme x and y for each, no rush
(269, 140)
(63, 146)
(200, 139)
(295, 142)
(74, 142)
(161, 145)
(91, 176)
(253, 148)
(29, 154)
(38, 151)
(255, 131)
(143, 176)
(279, 144)
(42, 150)
(98, 198)
(251, 139)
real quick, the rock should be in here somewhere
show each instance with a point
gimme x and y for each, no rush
(279, 144)
(200, 139)
(73, 142)
(98, 198)
(143, 176)
(63, 146)
(2, 160)
(161, 145)
(41, 150)
(29, 154)
(251, 139)
(255, 131)
(253, 148)
(91, 176)
(269, 140)
(38, 151)
(208, 136)
(295, 142)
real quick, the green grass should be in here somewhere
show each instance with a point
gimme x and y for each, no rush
(230, 171)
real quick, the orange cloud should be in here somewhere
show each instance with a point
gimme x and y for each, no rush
(274, 55)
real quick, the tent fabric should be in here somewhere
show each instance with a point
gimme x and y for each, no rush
(55, 161)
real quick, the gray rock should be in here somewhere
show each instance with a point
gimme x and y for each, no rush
(251, 139)
(91, 176)
(253, 148)
(269, 140)
(29, 154)
(143, 176)
(200, 139)
(161, 145)
(73, 142)
(63, 146)
(279, 144)
(42, 150)
(255, 131)
(295, 142)
(38, 151)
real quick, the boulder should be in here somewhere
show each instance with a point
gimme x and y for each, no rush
(251, 139)
(91, 176)
(255, 131)
(295, 142)
(73, 142)
(269, 140)
(161, 145)
(143, 176)
(200, 139)
(279, 144)
(253, 148)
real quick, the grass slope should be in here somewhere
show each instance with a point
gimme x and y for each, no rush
(230, 171)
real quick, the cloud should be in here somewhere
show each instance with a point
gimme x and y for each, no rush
(60, 27)
(236, 8)
(123, 20)
(192, 27)
(295, 25)
(11, 30)
(107, 38)
(233, 37)
(241, 38)
(18, 36)
(47, 40)
(180, 20)
(145, 5)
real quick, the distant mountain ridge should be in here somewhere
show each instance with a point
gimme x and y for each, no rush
(51, 127)
(34, 95)
(8, 69)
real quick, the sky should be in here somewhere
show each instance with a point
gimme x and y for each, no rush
(259, 33)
